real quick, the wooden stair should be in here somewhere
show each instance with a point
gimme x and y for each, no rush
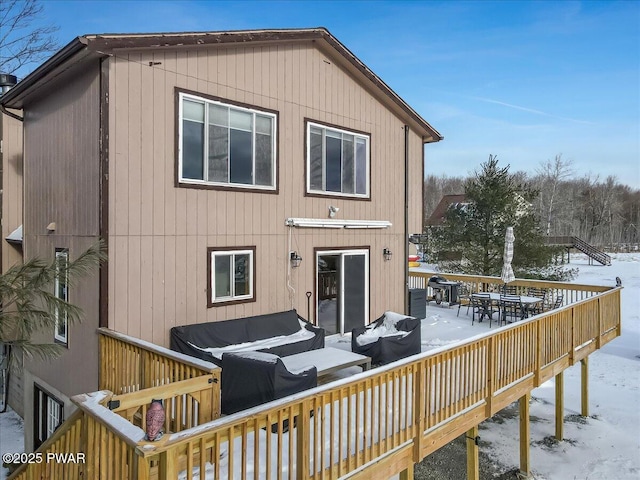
(579, 244)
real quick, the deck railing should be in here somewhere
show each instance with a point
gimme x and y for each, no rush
(128, 364)
(372, 425)
(478, 283)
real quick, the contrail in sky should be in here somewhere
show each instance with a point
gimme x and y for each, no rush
(530, 110)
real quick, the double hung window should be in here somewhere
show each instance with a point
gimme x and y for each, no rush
(337, 161)
(232, 275)
(226, 145)
(61, 291)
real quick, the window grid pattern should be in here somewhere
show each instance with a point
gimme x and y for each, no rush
(337, 161)
(226, 145)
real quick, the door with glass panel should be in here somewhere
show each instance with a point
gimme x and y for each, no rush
(342, 290)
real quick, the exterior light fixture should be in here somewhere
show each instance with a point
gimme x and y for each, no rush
(386, 253)
(295, 259)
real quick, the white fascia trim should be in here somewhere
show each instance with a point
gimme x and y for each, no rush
(333, 223)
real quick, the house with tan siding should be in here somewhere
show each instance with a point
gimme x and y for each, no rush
(206, 161)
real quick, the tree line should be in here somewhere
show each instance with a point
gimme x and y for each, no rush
(602, 212)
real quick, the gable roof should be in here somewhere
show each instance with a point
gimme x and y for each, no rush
(437, 217)
(96, 46)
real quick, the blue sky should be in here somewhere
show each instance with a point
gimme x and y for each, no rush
(522, 80)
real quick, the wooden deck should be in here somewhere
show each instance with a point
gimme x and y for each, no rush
(371, 426)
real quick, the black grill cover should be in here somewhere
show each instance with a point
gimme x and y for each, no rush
(389, 349)
(253, 378)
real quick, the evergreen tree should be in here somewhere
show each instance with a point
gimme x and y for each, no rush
(28, 303)
(474, 232)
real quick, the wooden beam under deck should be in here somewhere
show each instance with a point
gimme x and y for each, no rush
(525, 435)
(559, 405)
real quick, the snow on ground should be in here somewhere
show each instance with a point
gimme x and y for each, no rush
(11, 441)
(606, 445)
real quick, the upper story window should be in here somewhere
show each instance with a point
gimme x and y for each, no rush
(337, 161)
(61, 291)
(232, 275)
(226, 145)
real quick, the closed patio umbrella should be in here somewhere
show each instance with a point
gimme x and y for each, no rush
(507, 270)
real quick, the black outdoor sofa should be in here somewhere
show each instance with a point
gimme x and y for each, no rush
(282, 334)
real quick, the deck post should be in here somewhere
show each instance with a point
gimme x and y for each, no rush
(584, 397)
(141, 467)
(559, 405)
(302, 443)
(406, 474)
(473, 465)
(525, 466)
(168, 464)
(491, 370)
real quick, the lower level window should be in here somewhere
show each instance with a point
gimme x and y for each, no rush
(49, 415)
(232, 275)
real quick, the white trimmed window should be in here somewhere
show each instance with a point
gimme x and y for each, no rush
(232, 275)
(61, 291)
(337, 161)
(225, 145)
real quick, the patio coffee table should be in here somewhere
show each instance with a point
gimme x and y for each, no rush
(326, 360)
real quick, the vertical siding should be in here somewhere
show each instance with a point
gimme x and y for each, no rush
(61, 172)
(159, 233)
(12, 165)
(11, 187)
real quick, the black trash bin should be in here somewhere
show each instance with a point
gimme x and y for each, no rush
(418, 302)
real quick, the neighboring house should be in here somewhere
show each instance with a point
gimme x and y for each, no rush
(206, 161)
(446, 202)
(437, 217)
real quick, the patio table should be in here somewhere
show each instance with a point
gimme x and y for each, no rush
(525, 300)
(326, 360)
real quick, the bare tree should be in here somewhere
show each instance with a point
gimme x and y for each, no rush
(23, 38)
(552, 174)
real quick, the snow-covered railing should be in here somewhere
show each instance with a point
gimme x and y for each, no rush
(128, 364)
(570, 292)
(187, 403)
(380, 422)
(92, 443)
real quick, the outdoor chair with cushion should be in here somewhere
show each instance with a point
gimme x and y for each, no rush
(253, 378)
(482, 306)
(391, 337)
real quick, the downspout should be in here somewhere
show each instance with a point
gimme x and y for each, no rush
(406, 220)
(103, 154)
